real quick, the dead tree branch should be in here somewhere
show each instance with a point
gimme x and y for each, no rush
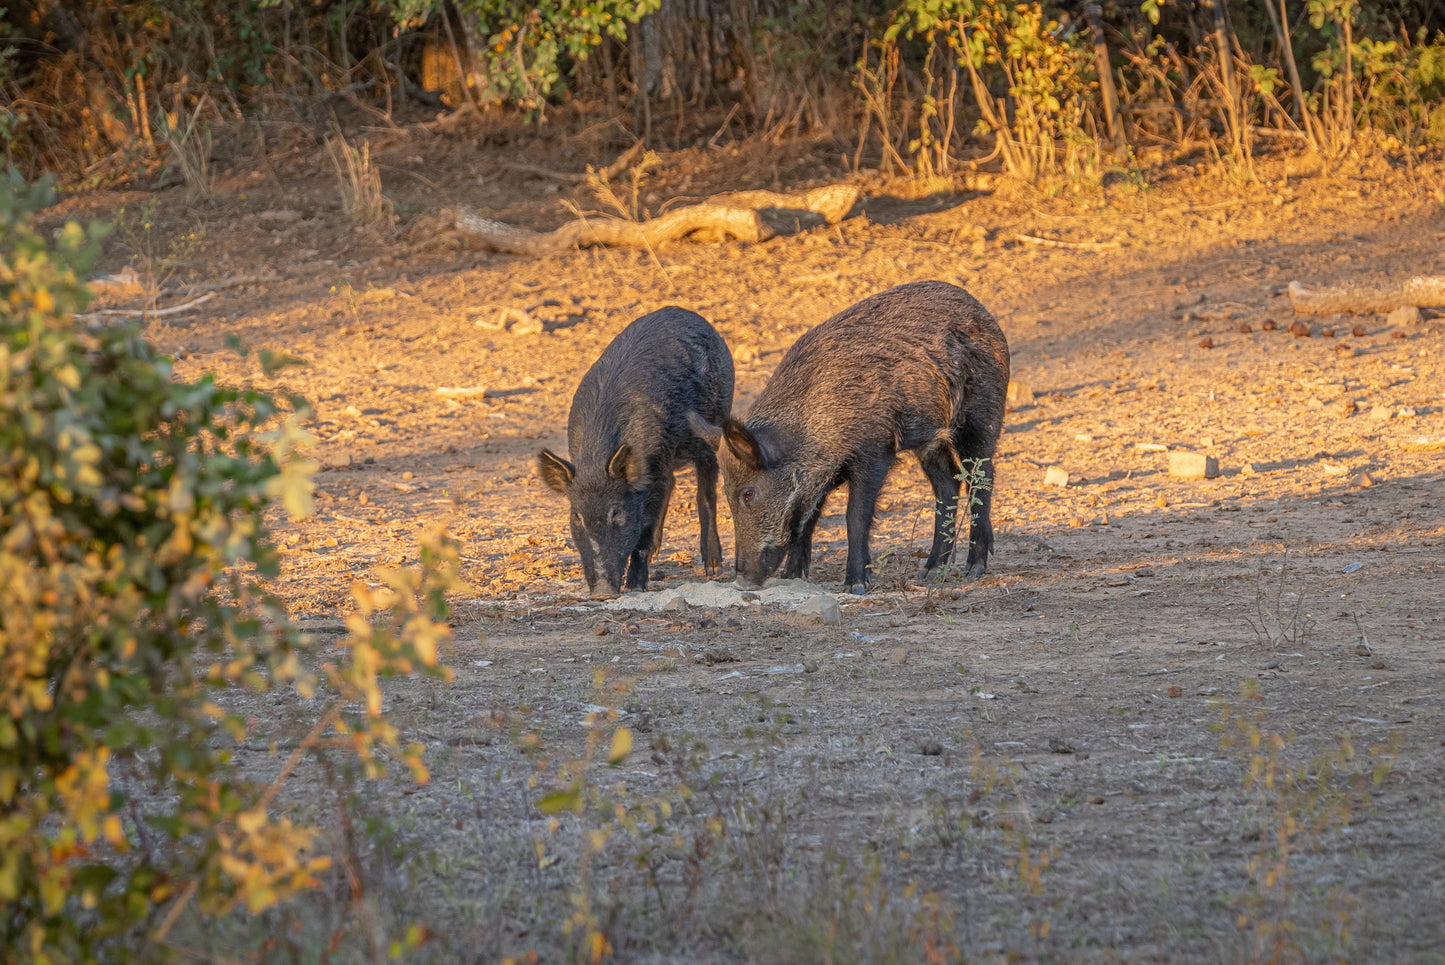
(1425, 291)
(746, 216)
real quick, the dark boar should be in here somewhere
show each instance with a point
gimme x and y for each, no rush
(922, 367)
(628, 429)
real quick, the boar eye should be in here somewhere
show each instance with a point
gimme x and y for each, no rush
(577, 518)
(748, 495)
(615, 517)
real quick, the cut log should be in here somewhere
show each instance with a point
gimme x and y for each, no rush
(738, 223)
(1426, 291)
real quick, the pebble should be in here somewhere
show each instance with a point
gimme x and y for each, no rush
(1244, 328)
(931, 748)
(1346, 408)
(1206, 342)
(1380, 412)
(1056, 477)
(1019, 396)
(1299, 330)
(1358, 331)
(898, 656)
(820, 609)
(1192, 465)
(1404, 315)
(1268, 325)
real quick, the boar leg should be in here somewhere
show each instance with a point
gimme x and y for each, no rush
(864, 485)
(976, 454)
(942, 472)
(651, 541)
(800, 552)
(707, 513)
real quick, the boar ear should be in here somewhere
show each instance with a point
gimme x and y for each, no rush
(704, 430)
(556, 472)
(743, 445)
(625, 464)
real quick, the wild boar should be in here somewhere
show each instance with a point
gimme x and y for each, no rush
(921, 367)
(627, 431)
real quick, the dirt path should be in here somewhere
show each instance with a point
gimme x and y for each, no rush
(1064, 708)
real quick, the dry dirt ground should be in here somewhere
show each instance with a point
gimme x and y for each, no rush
(1034, 765)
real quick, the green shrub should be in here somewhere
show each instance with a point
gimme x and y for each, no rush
(132, 547)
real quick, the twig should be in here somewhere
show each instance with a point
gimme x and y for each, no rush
(267, 797)
(1078, 245)
(147, 312)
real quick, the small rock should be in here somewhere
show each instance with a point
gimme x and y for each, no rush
(931, 748)
(675, 602)
(1362, 480)
(820, 609)
(1352, 567)
(810, 666)
(1268, 325)
(1358, 331)
(1244, 328)
(1299, 330)
(1404, 315)
(1406, 412)
(1380, 412)
(706, 624)
(1056, 477)
(745, 354)
(1094, 799)
(714, 655)
(1346, 408)
(1019, 396)
(1398, 335)
(1206, 342)
(1192, 465)
(601, 630)
(1060, 746)
(898, 656)
(1328, 333)
(1175, 691)
(1144, 571)
(1161, 501)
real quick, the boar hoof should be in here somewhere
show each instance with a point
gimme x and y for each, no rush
(605, 594)
(975, 571)
(858, 589)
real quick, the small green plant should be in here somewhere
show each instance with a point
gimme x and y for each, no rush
(359, 184)
(631, 208)
(188, 143)
(156, 261)
(1279, 617)
(1298, 806)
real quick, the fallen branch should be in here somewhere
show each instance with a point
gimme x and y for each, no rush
(743, 215)
(832, 201)
(146, 312)
(1077, 245)
(1425, 291)
(738, 223)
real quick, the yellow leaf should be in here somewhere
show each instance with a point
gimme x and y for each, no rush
(250, 821)
(621, 745)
